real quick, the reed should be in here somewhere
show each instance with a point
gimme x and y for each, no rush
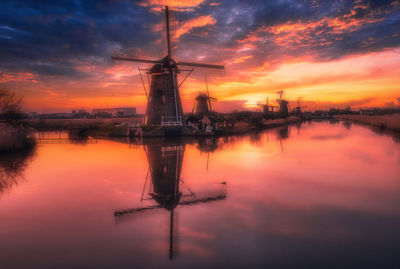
(390, 121)
(14, 138)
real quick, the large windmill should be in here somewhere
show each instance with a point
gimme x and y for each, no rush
(164, 107)
(165, 158)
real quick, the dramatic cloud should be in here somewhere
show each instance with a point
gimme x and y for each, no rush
(194, 23)
(327, 51)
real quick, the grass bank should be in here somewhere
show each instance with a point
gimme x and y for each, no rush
(391, 121)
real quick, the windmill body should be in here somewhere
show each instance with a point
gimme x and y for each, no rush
(202, 107)
(164, 105)
(283, 108)
(202, 104)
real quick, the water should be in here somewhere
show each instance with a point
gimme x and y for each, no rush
(320, 196)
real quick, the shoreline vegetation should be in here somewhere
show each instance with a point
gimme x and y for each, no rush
(14, 138)
(15, 135)
(117, 127)
(389, 121)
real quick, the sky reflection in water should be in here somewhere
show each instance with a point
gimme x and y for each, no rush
(323, 195)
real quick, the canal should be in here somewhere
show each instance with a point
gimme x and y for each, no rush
(316, 195)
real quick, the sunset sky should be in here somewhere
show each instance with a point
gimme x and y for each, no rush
(56, 54)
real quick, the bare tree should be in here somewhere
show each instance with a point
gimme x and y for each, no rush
(10, 106)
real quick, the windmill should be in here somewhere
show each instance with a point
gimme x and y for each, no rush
(266, 107)
(165, 160)
(297, 110)
(202, 103)
(283, 105)
(164, 107)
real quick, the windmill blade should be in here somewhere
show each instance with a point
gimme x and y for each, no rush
(213, 99)
(121, 213)
(130, 59)
(221, 67)
(208, 94)
(204, 200)
(280, 94)
(194, 106)
(168, 32)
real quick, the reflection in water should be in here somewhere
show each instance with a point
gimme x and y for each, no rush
(347, 124)
(12, 164)
(387, 132)
(165, 158)
(283, 132)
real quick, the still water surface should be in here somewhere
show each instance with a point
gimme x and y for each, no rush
(319, 195)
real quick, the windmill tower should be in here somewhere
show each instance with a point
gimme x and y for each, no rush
(283, 105)
(202, 103)
(165, 158)
(164, 107)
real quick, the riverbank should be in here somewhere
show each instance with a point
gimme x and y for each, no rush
(118, 127)
(60, 124)
(391, 121)
(243, 127)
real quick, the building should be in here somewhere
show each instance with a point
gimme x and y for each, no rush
(115, 112)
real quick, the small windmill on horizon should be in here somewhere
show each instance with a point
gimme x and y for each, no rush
(202, 103)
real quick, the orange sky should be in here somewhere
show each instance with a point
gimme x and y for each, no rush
(363, 78)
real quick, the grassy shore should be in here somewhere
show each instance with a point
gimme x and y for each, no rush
(59, 124)
(118, 127)
(391, 121)
(242, 127)
(14, 138)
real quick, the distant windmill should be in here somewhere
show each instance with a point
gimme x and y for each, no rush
(266, 107)
(202, 103)
(164, 107)
(298, 110)
(283, 105)
(165, 164)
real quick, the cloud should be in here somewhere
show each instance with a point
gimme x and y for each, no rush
(177, 5)
(174, 3)
(194, 23)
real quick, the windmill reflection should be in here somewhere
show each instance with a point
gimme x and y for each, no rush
(167, 188)
(283, 133)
